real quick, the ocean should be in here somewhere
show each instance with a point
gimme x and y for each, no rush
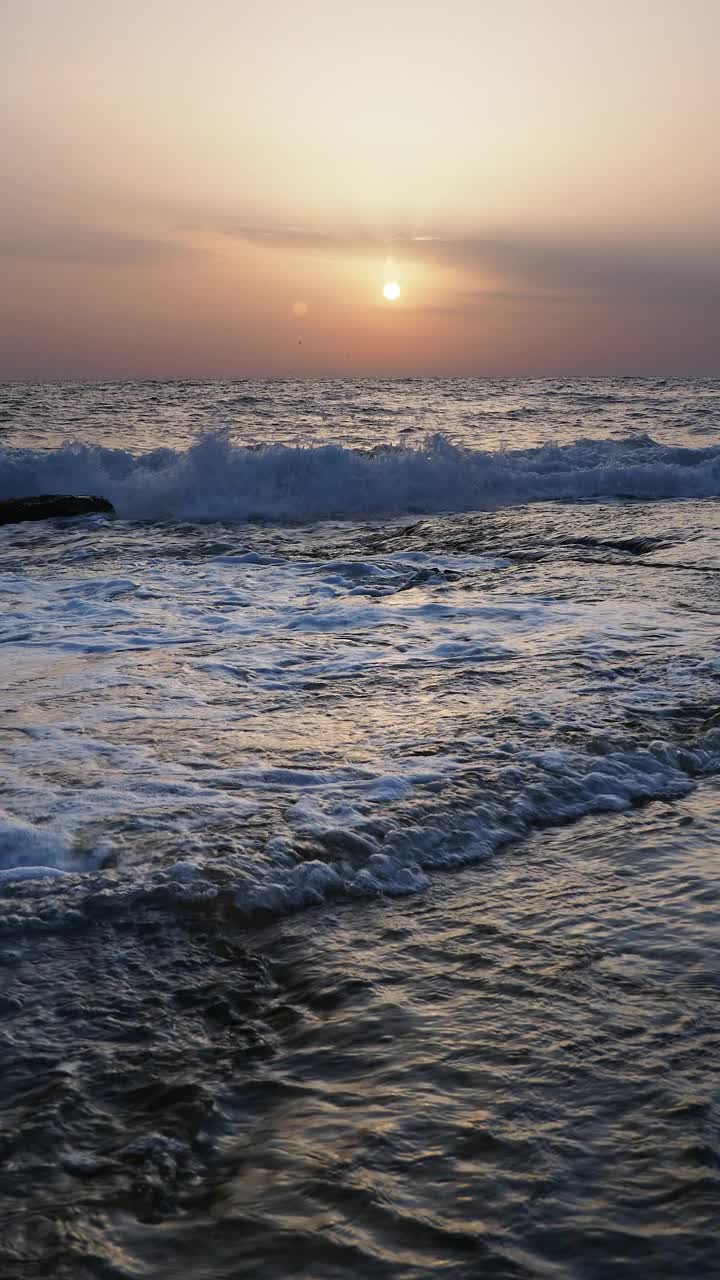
(359, 885)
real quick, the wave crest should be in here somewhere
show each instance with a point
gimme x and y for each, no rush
(219, 479)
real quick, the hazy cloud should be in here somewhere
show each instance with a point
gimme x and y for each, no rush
(92, 246)
(293, 239)
(630, 273)
(526, 268)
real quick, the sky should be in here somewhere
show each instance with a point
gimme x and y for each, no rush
(222, 188)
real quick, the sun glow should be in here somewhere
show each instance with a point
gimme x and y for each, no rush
(391, 291)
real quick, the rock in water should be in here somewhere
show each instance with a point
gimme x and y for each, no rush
(47, 506)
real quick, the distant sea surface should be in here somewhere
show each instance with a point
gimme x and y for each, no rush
(359, 843)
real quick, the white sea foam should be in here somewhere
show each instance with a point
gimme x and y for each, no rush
(376, 836)
(218, 479)
(28, 851)
(8, 875)
(548, 789)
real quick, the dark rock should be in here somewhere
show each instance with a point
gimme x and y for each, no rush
(48, 506)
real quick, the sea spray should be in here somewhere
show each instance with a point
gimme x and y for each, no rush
(217, 478)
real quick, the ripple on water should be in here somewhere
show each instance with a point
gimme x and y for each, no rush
(515, 1075)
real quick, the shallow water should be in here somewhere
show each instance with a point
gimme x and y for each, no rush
(359, 889)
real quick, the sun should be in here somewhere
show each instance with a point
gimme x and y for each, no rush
(391, 291)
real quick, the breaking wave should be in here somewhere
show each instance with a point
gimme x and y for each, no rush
(391, 850)
(217, 479)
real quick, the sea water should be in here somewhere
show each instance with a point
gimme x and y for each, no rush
(358, 852)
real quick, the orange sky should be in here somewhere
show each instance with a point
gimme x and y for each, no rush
(542, 178)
